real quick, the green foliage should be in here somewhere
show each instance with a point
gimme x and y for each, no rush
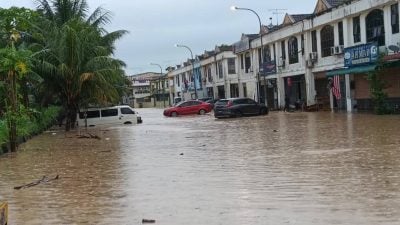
(377, 85)
(30, 122)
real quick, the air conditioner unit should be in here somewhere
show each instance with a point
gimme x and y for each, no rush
(309, 63)
(314, 56)
(337, 50)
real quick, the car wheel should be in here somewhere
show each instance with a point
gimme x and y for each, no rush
(202, 112)
(174, 114)
(128, 122)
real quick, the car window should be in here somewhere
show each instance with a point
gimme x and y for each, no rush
(89, 114)
(184, 104)
(221, 102)
(127, 111)
(239, 101)
(250, 101)
(196, 103)
(109, 112)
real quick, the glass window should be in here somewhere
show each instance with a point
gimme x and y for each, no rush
(247, 62)
(127, 111)
(283, 49)
(394, 9)
(109, 112)
(250, 102)
(314, 41)
(327, 40)
(231, 66)
(220, 70)
(195, 103)
(293, 50)
(184, 104)
(89, 114)
(356, 29)
(302, 44)
(375, 27)
(341, 37)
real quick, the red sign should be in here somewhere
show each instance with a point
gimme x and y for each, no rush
(392, 57)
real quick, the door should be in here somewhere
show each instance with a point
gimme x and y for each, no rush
(252, 107)
(128, 115)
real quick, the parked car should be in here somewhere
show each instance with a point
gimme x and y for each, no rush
(188, 107)
(235, 107)
(212, 102)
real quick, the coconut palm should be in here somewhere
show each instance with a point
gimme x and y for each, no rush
(77, 61)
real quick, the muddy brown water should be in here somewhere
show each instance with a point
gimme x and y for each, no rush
(283, 168)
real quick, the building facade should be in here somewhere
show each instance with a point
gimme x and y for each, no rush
(317, 60)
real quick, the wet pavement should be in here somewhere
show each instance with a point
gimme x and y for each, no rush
(283, 168)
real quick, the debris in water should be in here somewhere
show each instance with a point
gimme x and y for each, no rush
(148, 221)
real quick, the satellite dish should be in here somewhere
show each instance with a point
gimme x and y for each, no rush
(394, 48)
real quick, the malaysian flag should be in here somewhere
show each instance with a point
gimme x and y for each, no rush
(336, 87)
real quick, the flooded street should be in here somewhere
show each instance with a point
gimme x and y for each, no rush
(283, 168)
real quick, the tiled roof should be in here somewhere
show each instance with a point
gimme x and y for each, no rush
(334, 3)
(300, 17)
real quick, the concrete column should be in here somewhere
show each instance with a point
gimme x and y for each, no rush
(349, 104)
(310, 87)
(280, 82)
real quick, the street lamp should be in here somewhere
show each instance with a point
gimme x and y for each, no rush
(159, 81)
(194, 76)
(235, 8)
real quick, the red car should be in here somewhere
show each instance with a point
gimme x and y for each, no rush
(188, 107)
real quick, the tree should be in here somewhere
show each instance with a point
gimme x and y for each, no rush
(377, 86)
(77, 57)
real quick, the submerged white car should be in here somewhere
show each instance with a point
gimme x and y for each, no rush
(121, 114)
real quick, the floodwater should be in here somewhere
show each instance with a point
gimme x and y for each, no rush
(283, 168)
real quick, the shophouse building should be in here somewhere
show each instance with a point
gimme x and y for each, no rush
(316, 60)
(214, 76)
(340, 38)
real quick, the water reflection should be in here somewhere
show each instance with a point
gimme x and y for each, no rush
(284, 168)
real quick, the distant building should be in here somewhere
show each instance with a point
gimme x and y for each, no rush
(148, 89)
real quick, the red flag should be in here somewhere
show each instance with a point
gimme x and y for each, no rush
(336, 87)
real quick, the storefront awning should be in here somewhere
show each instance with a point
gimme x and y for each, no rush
(352, 70)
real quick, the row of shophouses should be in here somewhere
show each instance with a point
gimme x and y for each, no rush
(297, 60)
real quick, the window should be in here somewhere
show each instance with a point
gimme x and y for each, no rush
(302, 44)
(220, 74)
(209, 75)
(247, 62)
(231, 66)
(109, 112)
(89, 114)
(283, 49)
(341, 37)
(127, 111)
(375, 27)
(241, 62)
(314, 41)
(327, 40)
(293, 50)
(356, 29)
(394, 9)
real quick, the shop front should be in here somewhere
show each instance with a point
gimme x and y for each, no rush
(295, 91)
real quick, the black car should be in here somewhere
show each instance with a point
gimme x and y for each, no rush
(235, 107)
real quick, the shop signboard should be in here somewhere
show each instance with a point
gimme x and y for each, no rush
(268, 68)
(361, 55)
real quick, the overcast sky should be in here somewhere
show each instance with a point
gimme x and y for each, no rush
(156, 25)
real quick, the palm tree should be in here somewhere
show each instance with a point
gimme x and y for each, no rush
(78, 60)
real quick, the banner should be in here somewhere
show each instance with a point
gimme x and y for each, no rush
(361, 54)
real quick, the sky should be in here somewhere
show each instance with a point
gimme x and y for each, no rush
(155, 26)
